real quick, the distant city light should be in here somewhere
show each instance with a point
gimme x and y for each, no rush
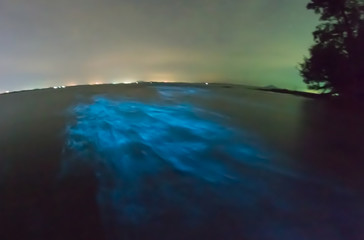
(95, 83)
(206, 83)
(124, 81)
(128, 81)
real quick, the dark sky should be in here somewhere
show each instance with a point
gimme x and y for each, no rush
(45, 43)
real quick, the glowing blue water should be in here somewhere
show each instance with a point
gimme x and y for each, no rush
(158, 161)
(178, 134)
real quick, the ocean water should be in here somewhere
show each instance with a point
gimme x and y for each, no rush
(173, 161)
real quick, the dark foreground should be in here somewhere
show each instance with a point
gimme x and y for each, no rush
(161, 161)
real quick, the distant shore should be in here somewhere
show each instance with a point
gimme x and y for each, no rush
(292, 92)
(202, 84)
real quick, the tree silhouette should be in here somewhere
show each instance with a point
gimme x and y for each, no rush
(336, 62)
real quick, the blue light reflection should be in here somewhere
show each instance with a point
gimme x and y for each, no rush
(157, 160)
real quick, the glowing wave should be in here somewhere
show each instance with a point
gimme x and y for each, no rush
(151, 159)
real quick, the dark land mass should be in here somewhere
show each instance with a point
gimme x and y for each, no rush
(293, 92)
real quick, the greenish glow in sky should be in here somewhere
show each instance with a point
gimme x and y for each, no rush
(257, 42)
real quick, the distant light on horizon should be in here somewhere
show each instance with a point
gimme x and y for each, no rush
(56, 87)
(124, 81)
(95, 83)
(128, 82)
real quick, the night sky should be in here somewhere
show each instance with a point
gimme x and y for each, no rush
(47, 43)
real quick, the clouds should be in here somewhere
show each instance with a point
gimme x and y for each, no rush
(78, 39)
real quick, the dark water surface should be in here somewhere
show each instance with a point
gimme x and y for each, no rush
(179, 162)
